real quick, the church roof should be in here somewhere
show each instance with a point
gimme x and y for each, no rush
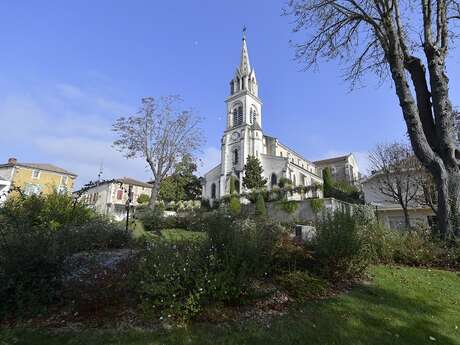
(245, 66)
(332, 160)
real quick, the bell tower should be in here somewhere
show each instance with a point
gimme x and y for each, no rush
(243, 133)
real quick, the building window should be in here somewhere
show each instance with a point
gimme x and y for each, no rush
(119, 194)
(281, 153)
(35, 174)
(32, 189)
(64, 180)
(253, 116)
(235, 156)
(294, 181)
(238, 115)
(273, 180)
(213, 191)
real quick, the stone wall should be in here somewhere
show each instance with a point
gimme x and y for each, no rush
(303, 212)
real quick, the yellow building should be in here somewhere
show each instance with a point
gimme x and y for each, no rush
(36, 178)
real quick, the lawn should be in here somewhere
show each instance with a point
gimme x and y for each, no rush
(169, 234)
(399, 306)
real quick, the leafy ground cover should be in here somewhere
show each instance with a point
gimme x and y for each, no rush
(398, 306)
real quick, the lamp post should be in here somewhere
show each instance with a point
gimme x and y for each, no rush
(128, 202)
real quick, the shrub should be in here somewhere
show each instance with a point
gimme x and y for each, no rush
(171, 280)
(364, 214)
(381, 243)
(289, 255)
(290, 206)
(241, 251)
(177, 279)
(316, 205)
(284, 182)
(417, 248)
(97, 234)
(47, 211)
(37, 234)
(340, 247)
(143, 199)
(155, 220)
(235, 206)
(31, 267)
(193, 220)
(260, 206)
(302, 286)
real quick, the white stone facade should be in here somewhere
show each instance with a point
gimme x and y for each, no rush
(243, 137)
(109, 198)
(343, 168)
(389, 211)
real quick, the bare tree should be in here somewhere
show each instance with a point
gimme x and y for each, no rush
(397, 174)
(402, 39)
(428, 196)
(161, 134)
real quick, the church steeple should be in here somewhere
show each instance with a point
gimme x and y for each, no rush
(245, 76)
(245, 66)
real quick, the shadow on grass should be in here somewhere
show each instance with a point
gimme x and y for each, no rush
(390, 312)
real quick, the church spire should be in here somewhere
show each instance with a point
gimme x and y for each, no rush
(245, 66)
(245, 76)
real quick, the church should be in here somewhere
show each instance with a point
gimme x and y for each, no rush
(243, 137)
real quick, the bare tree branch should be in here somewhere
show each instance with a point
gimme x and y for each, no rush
(160, 134)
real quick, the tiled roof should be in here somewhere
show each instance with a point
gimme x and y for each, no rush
(332, 160)
(129, 180)
(41, 166)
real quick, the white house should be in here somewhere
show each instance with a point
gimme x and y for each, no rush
(4, 189)
(343, 168)
(110, 197)
(389, 211)
(243, 136)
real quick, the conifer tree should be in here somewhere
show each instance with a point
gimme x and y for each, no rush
(253, 174)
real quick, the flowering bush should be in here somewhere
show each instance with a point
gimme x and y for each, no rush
(174, 280)
(171, 279)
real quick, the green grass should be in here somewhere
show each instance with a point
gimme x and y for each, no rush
(401, 306)
(169, 234)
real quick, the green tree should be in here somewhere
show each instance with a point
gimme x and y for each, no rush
(143, 199)
(261, 210)
(232, 185)
(235, 205)
(253, 170)
(328, 182)
(183, 184)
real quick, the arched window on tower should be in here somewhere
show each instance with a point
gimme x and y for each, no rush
(213, 191)
(235, 156)
(254, 116)
(273, 180)
(240, 114)
(232, 87)
(235, 117)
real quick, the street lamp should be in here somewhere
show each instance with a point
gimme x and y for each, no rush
(128, 202)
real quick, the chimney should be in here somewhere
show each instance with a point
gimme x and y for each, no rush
(12, 161)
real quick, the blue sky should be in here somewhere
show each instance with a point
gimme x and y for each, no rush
(69, 69)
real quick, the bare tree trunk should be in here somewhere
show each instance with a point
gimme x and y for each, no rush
(154, 195)
(406, 217)
(443, 203)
